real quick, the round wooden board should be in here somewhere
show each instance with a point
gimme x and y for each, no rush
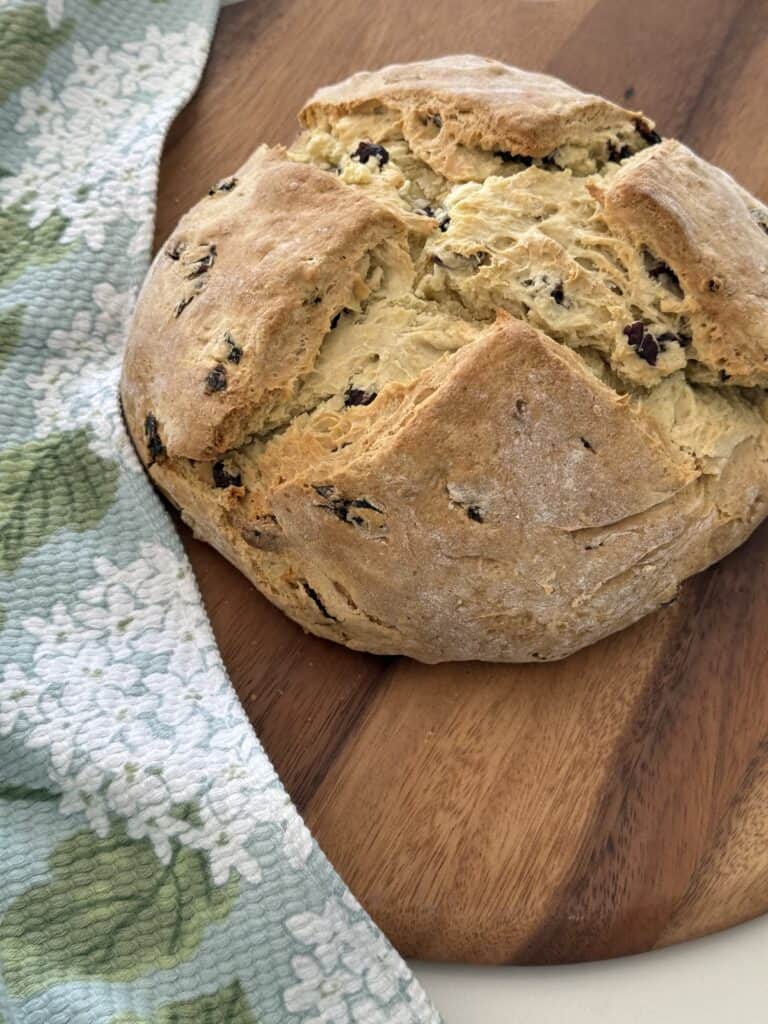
(608, 804)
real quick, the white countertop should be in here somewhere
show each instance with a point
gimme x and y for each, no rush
(722, 979)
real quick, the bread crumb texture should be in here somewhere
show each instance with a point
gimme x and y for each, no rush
(475, 369)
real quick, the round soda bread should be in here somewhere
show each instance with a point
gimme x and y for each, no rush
(475, 369)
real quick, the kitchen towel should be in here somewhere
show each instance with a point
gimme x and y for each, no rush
(154, 870)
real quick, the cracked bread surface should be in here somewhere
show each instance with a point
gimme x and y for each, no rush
(475, 369)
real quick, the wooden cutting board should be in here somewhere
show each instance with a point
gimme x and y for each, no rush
(608, 804)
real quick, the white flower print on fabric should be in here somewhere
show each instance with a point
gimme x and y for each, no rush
(112, 100)
(349, 973)
(117, 692)
(143, 743)
(77, 385)
(54, 12)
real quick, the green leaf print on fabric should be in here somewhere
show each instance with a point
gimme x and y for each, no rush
(227, 1006)
(49, 484)
(26, 41)
(111, 910)
(27, 793)
(10, 329)
(22, 245)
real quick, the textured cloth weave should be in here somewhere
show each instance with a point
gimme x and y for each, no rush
(153, 868)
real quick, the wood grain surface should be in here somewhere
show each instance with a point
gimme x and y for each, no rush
(608, 804)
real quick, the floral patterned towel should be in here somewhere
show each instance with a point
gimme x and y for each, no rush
(154, 870)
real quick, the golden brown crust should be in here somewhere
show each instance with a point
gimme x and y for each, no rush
(395, 461)
(523, 558)
(481, 103)
(232, 277)
(695, 218)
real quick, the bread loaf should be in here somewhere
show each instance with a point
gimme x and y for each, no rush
(474, 369)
